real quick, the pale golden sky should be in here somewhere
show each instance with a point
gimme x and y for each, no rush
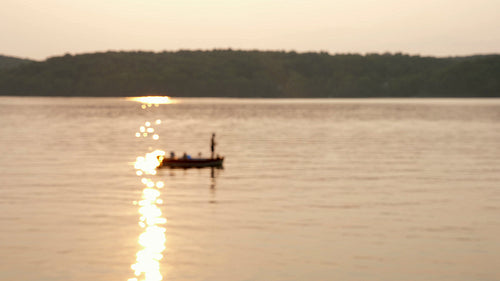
(41, 28)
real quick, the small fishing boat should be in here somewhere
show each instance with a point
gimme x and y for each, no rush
(191, 162)
(187, 161)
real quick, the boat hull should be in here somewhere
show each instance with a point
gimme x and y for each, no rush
(192, 163)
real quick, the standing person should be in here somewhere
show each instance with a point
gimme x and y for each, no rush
(212, 145)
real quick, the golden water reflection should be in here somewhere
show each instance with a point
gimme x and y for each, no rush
(152, 239)
(149, 101)
(148, 130)
(146, 165)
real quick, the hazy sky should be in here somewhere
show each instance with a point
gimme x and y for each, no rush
(41, 28)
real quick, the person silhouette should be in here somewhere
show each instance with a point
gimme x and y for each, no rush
(212, 145)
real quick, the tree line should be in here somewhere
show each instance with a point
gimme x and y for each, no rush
(9, 62)
(267, 74)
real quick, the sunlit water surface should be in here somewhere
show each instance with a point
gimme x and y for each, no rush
(310, 190)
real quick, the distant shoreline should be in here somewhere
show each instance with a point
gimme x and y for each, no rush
(252, 74)
(268, 99)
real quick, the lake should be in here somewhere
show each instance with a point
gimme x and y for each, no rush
(327, 189)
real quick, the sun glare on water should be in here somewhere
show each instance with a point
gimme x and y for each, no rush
(149, 163)
(149, 100)
(151, 242)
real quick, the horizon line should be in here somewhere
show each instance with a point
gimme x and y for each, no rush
(247, 50)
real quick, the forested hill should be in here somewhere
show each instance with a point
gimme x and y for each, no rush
(228, 73)
(10, 62)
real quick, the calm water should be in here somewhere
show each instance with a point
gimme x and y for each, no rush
(310, 190)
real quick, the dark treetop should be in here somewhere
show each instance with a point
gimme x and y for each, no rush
(228, 73)
(10, 62)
